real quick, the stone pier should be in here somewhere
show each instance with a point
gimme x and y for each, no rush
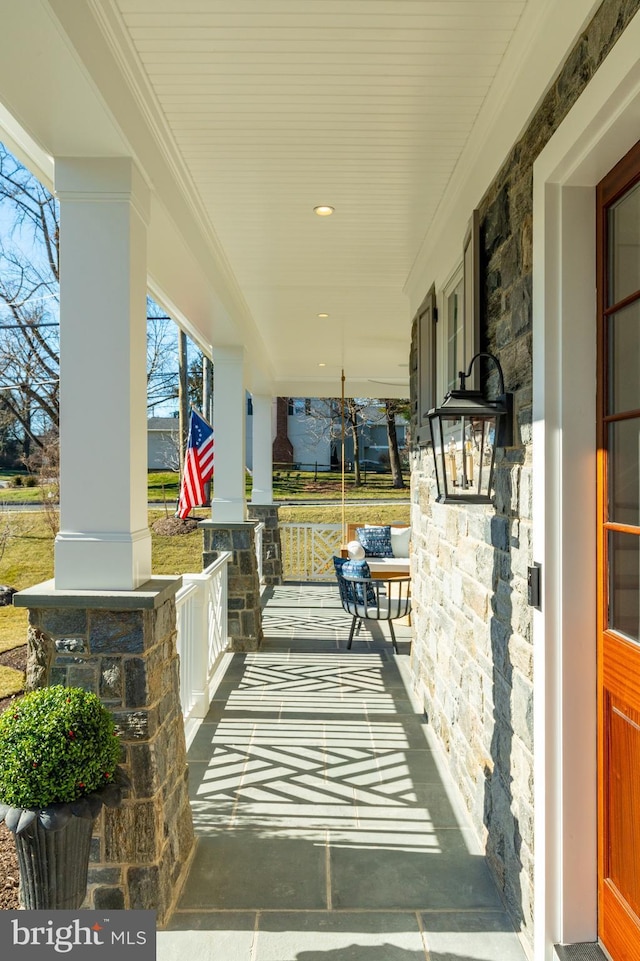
(271, 544)
(122, 646)
(243, 583)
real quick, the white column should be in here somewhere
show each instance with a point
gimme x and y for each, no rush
(104, 541)
(262, 492)
(229, 410)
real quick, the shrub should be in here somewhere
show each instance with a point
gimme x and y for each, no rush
(30, 481)
(56, 744)
(16, 481)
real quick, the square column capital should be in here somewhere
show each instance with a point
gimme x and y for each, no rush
(102, 180)
(229, 356)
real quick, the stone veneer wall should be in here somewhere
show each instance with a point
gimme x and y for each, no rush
(472, 655)
(140, 851)
(271, 544)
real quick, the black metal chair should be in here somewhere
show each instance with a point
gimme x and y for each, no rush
(373, 599)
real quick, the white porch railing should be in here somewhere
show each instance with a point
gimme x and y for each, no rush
(259, 531)
(201, 609)
(307, 550)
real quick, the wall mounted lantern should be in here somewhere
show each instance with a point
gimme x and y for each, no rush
(465, 431)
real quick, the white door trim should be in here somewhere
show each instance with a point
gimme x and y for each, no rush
(601, 127)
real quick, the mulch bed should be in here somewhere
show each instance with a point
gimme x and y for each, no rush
(16, 658)
(170, 526)
(8, 872)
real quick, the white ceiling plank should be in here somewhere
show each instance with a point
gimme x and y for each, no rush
(275, 107)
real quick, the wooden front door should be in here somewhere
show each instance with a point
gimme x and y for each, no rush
(618, 245)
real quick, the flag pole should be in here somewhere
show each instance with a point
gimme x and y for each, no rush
(344, 525)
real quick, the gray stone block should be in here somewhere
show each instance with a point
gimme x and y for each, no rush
(109, 899)
(58, 675)
(85, 677)
(111, 677)
(101, 875)
(70, 644)
(63, 622)
(144, 887)
(242, 539)
(220, 540)
(135, 725)
(94, 850)
(135, 682)
(116, 632)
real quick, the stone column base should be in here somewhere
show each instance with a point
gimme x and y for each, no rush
(122, 646)
(243, 585)
(271, 545)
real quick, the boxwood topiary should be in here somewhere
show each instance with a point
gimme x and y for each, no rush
(57, 744)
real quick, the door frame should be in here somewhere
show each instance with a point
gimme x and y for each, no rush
(600, 128)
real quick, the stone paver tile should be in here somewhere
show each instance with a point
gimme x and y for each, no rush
(418, 765)
(201, 936)
(201, 747)
(321, 936)
(243, 871)
(272, 815)
(404, 732)
(212, 818)
(378, 877)
(472, 936)
(436, 808)
(210, 781)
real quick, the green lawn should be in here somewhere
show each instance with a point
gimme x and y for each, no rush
(164, 486)
(332, 514)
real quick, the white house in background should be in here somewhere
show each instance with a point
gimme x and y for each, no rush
(163, 451)
(314, 430)
(314, 441)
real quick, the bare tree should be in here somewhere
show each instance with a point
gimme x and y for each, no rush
(44, 463)
(29, 314)
(162, 376)
(29, 284)
(391, 409)
(324, 417)
(353, 408)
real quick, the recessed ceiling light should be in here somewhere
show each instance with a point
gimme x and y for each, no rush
(323, 315)
(322, 365)
(323, 210)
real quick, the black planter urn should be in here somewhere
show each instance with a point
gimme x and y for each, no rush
(53, 846)
(54, 864)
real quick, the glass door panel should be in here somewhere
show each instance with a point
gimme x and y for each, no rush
(624, 584)
(624, 247)
(624, 359)
(624, 472)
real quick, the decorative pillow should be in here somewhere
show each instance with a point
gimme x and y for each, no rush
(355, 570)
(400, 537)
(375, 540)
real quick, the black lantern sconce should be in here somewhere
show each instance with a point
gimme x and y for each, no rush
(465, 431)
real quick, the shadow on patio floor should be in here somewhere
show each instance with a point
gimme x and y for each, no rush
(327, 828)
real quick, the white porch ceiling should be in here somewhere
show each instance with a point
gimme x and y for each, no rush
(365, 105)
(244, 115)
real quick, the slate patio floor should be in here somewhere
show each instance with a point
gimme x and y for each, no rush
(327, 827)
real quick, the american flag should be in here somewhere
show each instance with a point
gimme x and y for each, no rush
(198, 464)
